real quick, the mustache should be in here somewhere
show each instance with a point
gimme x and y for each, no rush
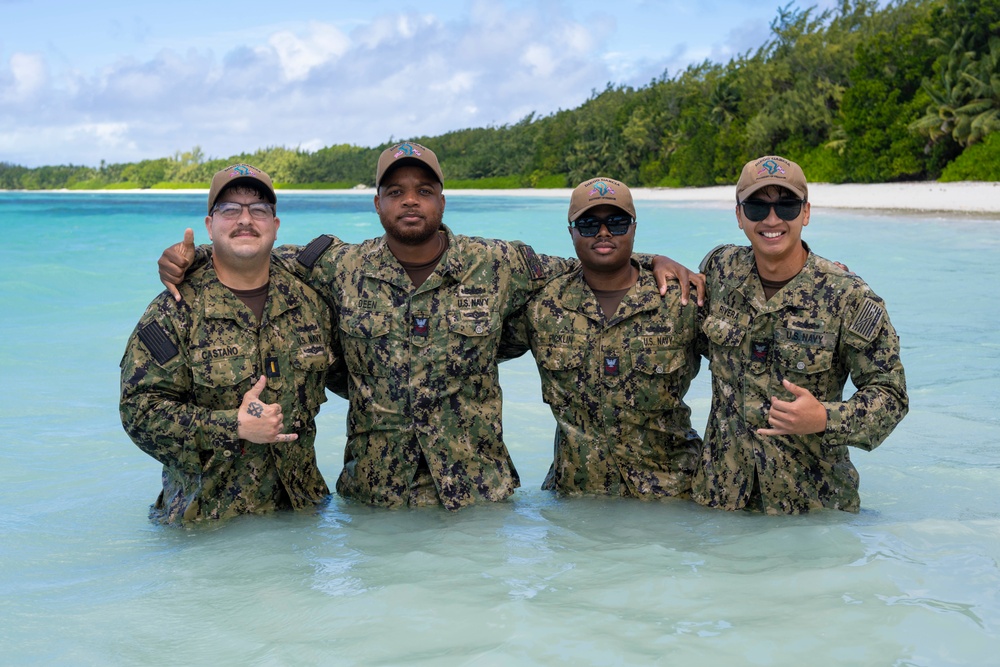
(244, 231)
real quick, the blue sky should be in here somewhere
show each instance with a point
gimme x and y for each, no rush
(82, 82)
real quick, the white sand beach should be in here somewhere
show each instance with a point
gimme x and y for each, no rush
(972, 197)
(965, 197)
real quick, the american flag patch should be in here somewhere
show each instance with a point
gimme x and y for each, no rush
(157, 342)
(869, 317)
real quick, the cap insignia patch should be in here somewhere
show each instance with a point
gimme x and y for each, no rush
(241, 170)
(601, 189)
(770, 167)
(406, 150)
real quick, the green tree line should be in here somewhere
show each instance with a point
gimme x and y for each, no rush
(860, 93)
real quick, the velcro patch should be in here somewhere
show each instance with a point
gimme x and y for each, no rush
(157, 342)
(869, 317)
(312, 252)
(824, 339)
(760, 351)
(531, 259)
(611, 366)
(421, 326)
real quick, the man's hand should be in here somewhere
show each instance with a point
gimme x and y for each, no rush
(800, 416)
(174, 263)
(261, 423)
(665, 269)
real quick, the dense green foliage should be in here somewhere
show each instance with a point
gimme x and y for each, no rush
(908, 91)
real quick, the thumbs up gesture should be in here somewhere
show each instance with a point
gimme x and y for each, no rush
(175, 261)
(259, 422)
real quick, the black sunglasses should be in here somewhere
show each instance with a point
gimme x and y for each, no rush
(591, 224)
(757, 209)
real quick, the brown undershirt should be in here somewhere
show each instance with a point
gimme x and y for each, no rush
(609, 300)
(771, 287)
(253, 298)
(418, 273)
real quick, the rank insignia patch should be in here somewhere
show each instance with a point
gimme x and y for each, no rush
(611, 366)
(420, 326)
(759, 351)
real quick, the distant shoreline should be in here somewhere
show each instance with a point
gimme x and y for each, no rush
(928, 197)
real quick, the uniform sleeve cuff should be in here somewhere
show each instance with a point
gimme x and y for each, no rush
(221, 433)
(834, 435)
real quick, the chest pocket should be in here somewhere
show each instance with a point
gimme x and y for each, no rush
(662, 361)
(311, 363)
(805, 347)
(803, 360)
(723, 335)
(565, 366)
(473, 342)
(658, 377)
(366, 342)
(216, 376)
(554, 358)
(724, 332)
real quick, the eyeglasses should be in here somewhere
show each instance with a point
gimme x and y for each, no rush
(757, 209)
(231, 210)
(589, 226)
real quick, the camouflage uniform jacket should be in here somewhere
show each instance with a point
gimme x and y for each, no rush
(822, 326)
(185, 371)
(422, 363)
(615, 386)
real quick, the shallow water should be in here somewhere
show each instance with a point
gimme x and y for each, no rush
(86, 580)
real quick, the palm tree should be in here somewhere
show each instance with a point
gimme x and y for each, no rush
(965, 98)
(981, 115)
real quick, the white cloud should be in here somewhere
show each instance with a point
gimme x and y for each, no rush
(110, 135)
(28, 76)
(400, 75)
(299, 55)
(387, 29)
(538, 58)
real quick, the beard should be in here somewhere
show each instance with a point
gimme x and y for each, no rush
(411, 235)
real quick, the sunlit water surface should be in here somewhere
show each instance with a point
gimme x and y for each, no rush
(86, 580)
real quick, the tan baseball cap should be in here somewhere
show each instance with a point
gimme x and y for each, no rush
(238, 174)
(598, 191)
(771, 170)
(407, 152)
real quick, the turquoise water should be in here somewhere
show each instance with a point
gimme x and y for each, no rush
(86, 580)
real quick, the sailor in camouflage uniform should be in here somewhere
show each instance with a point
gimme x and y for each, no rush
(419, 313)
(223, 387)
(615, 359)
(785, 328)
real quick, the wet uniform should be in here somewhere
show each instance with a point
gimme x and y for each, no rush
(821, 327)
(615, 385)
(185, 371)
(424, 425)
